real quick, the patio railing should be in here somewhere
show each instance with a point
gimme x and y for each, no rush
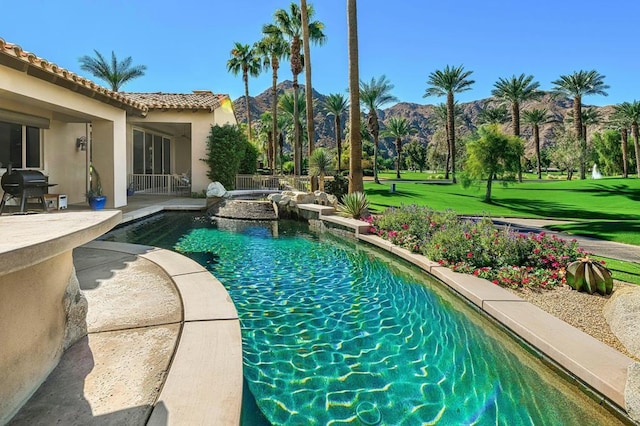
(160, 184)
(278, 182)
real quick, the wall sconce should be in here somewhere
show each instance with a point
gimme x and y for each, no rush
(81, 143)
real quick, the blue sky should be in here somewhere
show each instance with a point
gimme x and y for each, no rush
(185, 45)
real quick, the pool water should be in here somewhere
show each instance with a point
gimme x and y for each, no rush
(336, 332)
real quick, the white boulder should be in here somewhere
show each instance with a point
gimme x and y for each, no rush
(216, 189)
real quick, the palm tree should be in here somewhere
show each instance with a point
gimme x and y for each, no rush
(288, 24)
(579, 84)
(535, 118)
(273, 48)
(590, 117)
(245, 59)
(629, 112)
(621, 123)
(493, 115)
(440, 118)
(398, 128)
(288, 108)
(373, 95)
(445, 83)
(355, 141)
(115, 73)
(336, 104)
(515, 91)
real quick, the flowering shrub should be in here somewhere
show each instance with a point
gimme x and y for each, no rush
(505, 257)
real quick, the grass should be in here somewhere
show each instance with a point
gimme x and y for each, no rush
(628, 272)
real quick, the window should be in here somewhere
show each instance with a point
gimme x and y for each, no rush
(151, 153)
(20, 145)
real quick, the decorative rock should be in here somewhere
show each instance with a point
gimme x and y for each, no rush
(287, 201)
(632, 392)
(215, 189)
(622, 312)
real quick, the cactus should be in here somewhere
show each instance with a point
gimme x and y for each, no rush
(590, 276)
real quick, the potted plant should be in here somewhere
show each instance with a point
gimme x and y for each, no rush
(94, 195)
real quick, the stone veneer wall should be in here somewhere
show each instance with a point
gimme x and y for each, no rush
(42, 311)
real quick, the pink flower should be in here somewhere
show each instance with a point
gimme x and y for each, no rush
(405, 226)
(469, 255)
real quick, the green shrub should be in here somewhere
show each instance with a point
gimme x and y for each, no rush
(287, 167)
(225, 149)
(249, 161)
(475, 246)
(354, 205)
(339, 186)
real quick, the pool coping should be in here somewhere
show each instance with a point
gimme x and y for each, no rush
(203, 383)
(602, 368)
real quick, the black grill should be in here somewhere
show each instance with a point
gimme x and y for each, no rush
(24, 184)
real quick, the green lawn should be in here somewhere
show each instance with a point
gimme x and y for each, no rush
(606, 208)
(624, 271)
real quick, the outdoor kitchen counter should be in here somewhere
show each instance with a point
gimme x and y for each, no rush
(31, 239)
(42, 310)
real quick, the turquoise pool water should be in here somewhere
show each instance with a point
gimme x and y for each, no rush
(338, 333)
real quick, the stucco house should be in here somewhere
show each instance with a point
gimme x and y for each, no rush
(58, 122)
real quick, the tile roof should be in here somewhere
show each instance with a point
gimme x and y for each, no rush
(17, 58)
(198, 100)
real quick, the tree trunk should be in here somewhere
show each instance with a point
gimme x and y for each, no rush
(487, 195)
(338, 132)
(374, 129)
(577, 122)
(399, 150)
(625, 152)
(446, 164)
(245, 78)
(636, 144)
(355, 158)
(452, 135)
(536, 140)
(296, 68)
(515, 122)
(307, 78)
(274, 109)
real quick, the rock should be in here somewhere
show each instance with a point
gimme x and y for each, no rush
(632, 392)
(275, 197)
(215, 189)
(622, 312)
(75, 306)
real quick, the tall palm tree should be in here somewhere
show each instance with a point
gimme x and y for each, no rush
(288, 108)
(115, 73)
(535, 118)
(580, 83)
(630, 113)
(373, 95)
(398, 128)
(336, 104)
(289, 25)
(355, 141)
(516, 91)
(320, 165)
(273, 48)
(307, 74)
(440, 118)
(245, 60)
(445, 83)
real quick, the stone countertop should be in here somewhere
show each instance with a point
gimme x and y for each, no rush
(26, 240)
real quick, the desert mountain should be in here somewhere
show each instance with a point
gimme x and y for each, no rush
(422, 117)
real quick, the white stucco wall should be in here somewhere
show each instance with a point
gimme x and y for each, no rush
(69, 112)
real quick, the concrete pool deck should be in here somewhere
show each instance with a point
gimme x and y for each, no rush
(170, 352)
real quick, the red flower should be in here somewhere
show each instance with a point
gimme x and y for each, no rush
(469, 255)
(405, 226)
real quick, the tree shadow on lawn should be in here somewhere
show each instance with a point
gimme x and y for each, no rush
(599, 190)
(600, 229)
(556, 210)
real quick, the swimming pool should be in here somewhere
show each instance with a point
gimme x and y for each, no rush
(337, 332)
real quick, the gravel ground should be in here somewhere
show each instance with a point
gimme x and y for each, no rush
(582, 310)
